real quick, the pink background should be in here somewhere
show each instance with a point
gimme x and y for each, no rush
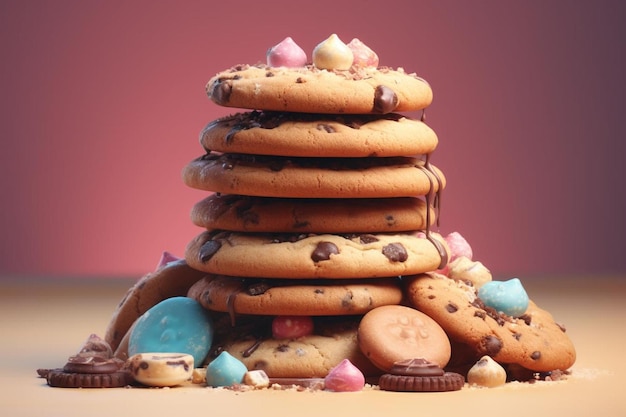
(102, 103)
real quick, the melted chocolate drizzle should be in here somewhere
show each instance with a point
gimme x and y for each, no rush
(433, 200)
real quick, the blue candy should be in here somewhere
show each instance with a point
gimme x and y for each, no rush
(175, 325)
(225, 370)
(508, 297)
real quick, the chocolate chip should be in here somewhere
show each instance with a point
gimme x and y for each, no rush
(365, 239)
(536, 355)
(390, 220)
(452, 308)
(385, 100)
(323, 250)
(282, 348)
(490, 345)
(346, 301)
(220, 92)
(395, 252)
(258, 288)
(326, 128)
(208, 249)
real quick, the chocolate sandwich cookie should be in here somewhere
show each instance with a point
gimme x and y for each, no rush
(272, 176)
(420, 375)
(315, 135)
(295, 297)
(308, 89)
(533, 341)
(310, 215)
(276, 255)
(311, 356)
(171, 280)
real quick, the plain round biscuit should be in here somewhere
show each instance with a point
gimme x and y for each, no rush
(394, 333)
(307, 215)
(312, 356)
(315, 256)
(311, 90)
(171, 280)
(290, 297)
(265, 176)
(534, 341)
(302, 134)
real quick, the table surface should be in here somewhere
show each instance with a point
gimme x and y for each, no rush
(44, 321)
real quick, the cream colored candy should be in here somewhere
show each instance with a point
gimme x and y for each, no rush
(256, 378)
(486, 373)
(332, 54)
(161, 369)
(464, 269)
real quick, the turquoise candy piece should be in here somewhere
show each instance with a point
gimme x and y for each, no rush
(508, 297)
(175, 325)
(225, 370)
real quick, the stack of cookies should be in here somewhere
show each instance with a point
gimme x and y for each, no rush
(323, 195)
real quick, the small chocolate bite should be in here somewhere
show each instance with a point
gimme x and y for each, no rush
(385, 100)
(490, 345)
(395, 252)
(208, 249)
(452, 308)
(323, 250)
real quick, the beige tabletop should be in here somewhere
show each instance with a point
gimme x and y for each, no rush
(44, 321)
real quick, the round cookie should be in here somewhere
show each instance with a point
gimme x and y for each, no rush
(294, 297)
(267, 176)
(534, 341)
(315, 135)
(312, 356)
(395, 333)
(268, 255)
(311, 90)
(171, 280)
(308, 215)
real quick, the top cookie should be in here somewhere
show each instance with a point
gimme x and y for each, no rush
(308, 89)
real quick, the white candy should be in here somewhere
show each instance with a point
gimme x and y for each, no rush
(161, 369)
(486, 373)
(332, 54)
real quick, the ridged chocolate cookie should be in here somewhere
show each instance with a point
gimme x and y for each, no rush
(534, 341)
(315, 135)
(268, 176)
(294, 297)
(311, 90)
(333, 340)
(310, 215)
(315, 256)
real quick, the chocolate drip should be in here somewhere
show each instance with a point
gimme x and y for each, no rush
(433, 200)
(230, 306)
(246, 353)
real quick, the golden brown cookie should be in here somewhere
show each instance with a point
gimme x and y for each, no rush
(268, 176)
(309, 215)
(171, 280)
(534, 341)
(315, 135)
(313, 356)
(294, 297)
(293, 256)
(311, 90)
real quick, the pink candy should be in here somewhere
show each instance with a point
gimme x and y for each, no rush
(166, 258)
(291, 327)
(286, 54)
(363, 55)
(344, 377)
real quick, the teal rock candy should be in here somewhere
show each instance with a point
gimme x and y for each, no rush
(508, 297)
(177, 324)
(225, 370)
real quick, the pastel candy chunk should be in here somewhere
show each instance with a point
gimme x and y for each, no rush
(466, 270)
(177, 324)
(332, 54)
(486, 373)
(508, 297)
(345, 377)
(166, 259)
(286, 54)
(225, 370)
(161, 369)
(363, 55)
(291, 327)
(459, 246)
